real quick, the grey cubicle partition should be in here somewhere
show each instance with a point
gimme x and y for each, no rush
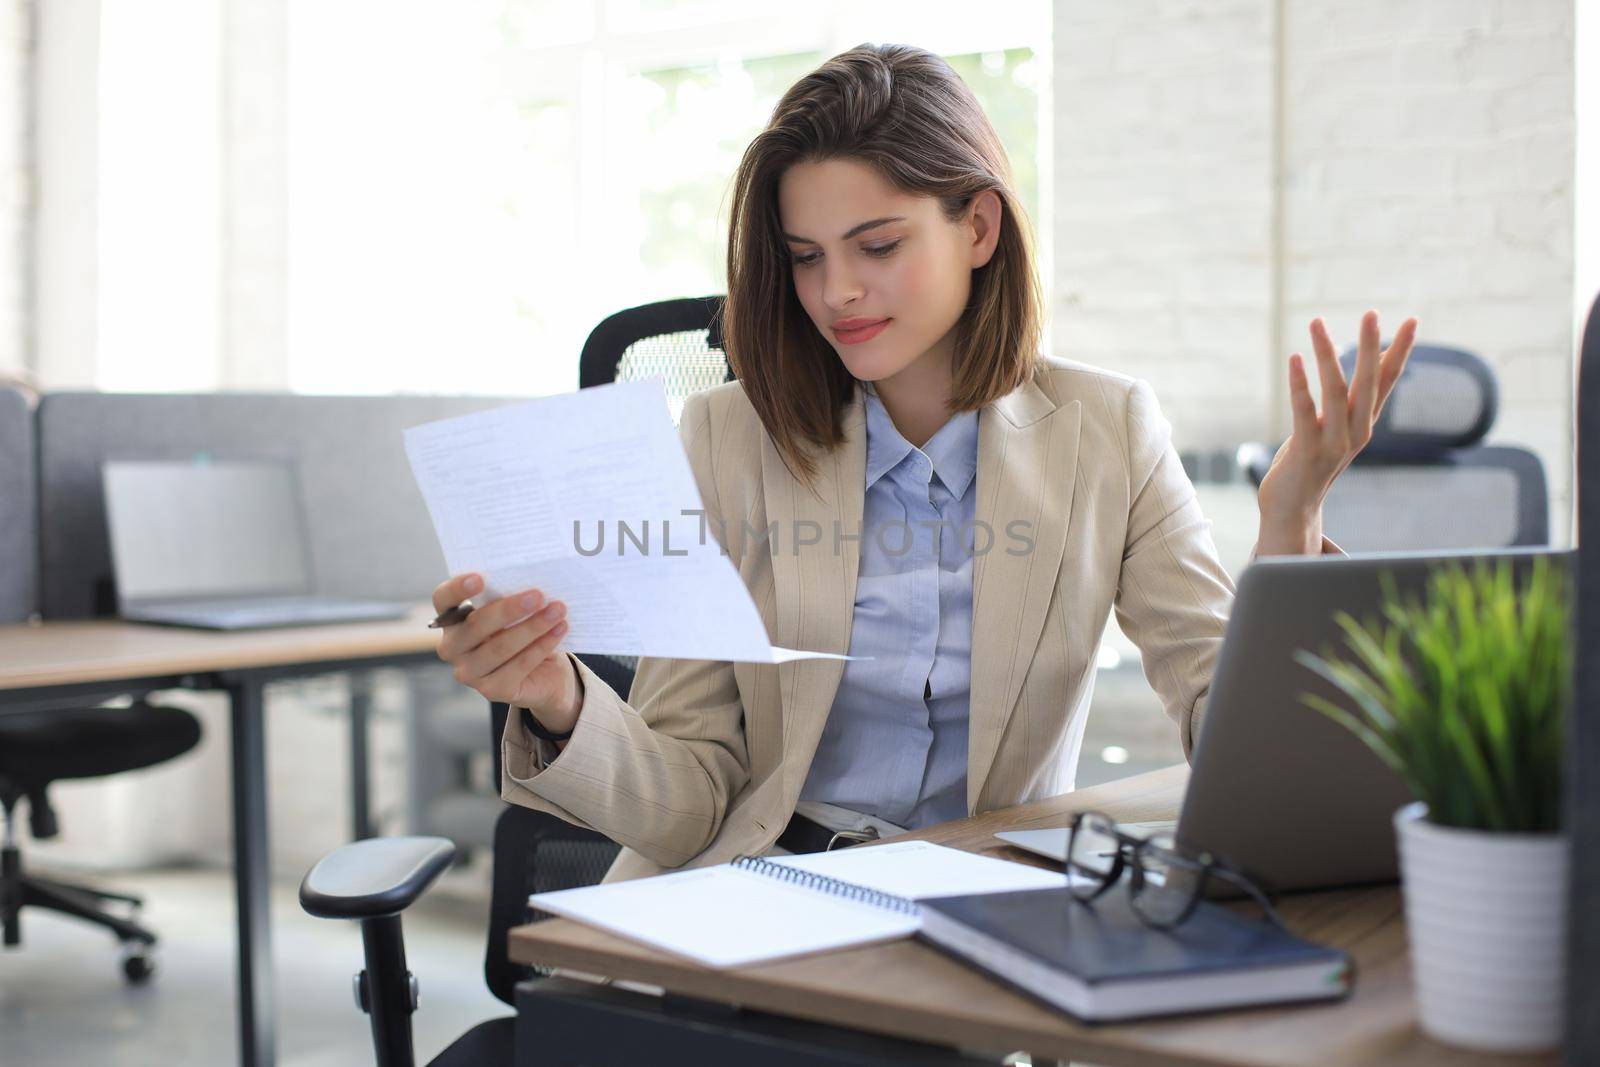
(19, 559)
(370, 531)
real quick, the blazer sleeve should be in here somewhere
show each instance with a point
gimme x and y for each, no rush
(1173, 594)
(655, 772)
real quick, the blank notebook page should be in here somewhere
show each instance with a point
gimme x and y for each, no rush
(725, 916)
(921, 869)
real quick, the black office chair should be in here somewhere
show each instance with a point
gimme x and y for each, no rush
(679, 341)
(1424, 482)
(374, 881)
(40, 747)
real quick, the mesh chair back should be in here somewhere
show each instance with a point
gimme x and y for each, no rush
(1447, 398)
(1484, 497)
(534, 852)
(678, 340)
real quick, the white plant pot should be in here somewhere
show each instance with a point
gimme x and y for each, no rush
(1487, 917)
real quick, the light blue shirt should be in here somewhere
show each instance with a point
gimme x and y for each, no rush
(895, 744)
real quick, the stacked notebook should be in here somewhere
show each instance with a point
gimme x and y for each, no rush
(1100, 962)
(1014, 921)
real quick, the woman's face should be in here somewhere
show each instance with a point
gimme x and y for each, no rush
(882, 273)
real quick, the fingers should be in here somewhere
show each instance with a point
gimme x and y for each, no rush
(508, 644)
(1364, 386)
(489, 620)
(449, 593)
(1394, 360)
(507, 677)
(1335, 401)
(1301, 401)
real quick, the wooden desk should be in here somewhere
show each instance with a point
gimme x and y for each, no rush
(69, 652)
(74, 662)
(907, 989)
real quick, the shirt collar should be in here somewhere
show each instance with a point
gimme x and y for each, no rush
(953, 449)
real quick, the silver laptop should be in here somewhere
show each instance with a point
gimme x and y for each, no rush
(219, 545)
(1287, 795)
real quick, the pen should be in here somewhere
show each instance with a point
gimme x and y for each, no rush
(451, 617)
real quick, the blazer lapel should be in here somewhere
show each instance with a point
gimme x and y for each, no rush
(814, 586)
(1027, 470)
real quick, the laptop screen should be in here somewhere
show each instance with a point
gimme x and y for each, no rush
(184, 529)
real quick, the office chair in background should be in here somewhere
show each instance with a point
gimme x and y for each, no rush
(1424, 481)
(375, 880)
(38, 747)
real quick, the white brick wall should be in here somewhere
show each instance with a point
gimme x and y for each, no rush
(1428, 161)
(14, 45)
(1163, 203)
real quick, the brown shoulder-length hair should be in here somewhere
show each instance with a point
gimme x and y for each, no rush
(904, 112)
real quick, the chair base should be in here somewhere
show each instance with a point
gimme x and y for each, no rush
(19, 890)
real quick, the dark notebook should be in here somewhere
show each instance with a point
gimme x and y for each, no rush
(1100, 962)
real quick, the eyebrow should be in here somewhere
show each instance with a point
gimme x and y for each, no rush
(858, 228)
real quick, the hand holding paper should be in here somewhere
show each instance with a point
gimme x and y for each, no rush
(588, 496)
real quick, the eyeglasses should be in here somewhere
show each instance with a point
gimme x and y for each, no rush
(1164, 883)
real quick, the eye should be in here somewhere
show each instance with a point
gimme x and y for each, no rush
(876, 251)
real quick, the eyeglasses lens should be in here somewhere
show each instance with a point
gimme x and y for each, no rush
(1093, 855)
(1169, 883)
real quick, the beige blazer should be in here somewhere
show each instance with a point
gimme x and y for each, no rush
(705, 760)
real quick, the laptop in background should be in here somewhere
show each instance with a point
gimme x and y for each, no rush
(219, 545)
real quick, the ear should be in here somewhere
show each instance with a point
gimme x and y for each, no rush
(983, 216)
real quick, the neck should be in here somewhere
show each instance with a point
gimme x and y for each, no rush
(916, 398)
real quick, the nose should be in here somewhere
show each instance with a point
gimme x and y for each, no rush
(839, 287)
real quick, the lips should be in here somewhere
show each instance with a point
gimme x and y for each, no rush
(855, 331)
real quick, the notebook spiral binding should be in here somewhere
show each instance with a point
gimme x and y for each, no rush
(821, 882)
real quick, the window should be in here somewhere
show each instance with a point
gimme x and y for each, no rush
(485, 182)
(158, 241)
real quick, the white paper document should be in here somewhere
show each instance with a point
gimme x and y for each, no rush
(589, 497)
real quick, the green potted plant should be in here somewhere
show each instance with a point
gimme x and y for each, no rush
(1463, 693)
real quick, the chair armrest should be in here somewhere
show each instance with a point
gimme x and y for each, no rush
(376, 877)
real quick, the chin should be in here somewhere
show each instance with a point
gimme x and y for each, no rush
(867, 367)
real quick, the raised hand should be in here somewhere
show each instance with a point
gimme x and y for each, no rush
(1323, 444)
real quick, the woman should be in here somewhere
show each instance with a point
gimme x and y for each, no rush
(882, 320)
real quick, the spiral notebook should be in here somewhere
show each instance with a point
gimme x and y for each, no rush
(755, 909)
